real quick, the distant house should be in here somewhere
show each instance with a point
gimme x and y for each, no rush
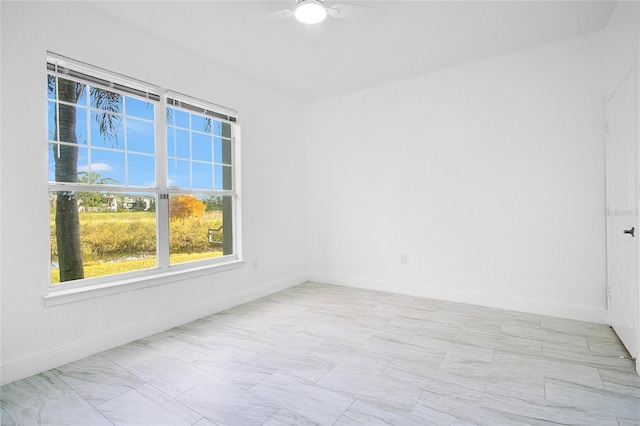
(111, 202)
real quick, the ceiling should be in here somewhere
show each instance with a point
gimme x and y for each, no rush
(344, 55)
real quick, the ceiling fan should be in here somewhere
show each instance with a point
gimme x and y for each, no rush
(315, 11)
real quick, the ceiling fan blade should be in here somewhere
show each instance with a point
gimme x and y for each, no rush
(359, 12)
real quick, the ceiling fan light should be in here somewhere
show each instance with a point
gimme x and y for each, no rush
(310, 11)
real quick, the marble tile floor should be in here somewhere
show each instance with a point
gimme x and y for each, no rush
(319, 354)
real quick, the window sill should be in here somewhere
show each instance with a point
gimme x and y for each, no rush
(59, 297)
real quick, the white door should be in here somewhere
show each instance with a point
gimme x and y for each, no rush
(622, 214)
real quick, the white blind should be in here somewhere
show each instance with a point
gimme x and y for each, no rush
(73, 69)
(201, 107)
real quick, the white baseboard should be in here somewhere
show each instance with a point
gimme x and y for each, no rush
(18, 369)
(483, 299)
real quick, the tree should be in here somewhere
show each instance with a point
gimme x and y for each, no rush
(67, 220)
(212, 202)
(94, 198)
(183, 206)
(139, 205)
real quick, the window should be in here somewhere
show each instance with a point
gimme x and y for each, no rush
(141, 180)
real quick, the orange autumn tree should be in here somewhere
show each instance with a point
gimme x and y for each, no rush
(184, 206)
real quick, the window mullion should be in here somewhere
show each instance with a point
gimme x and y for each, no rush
(162, 212)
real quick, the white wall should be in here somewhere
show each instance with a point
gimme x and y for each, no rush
(493, 170)
(622, 38)
(35, 337)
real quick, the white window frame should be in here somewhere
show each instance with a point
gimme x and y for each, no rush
(76, 290)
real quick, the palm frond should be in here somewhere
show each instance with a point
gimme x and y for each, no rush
(108, 105)
(51, 84)
(208, 125)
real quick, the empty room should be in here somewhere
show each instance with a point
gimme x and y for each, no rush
(306, 212)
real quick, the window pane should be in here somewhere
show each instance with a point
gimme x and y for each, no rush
(222, 151)
(107, 167)
(200, 227)
(202, 175)
(141, 170)
(53, 152)
(178, 174)
(208, 152)
(226, 130)
(105, 100)
(139, 108)
(82, 131)
(51, 86)
(71, 123)
(181, 144)
(221, 129)
(170, 117)
(140, 136)
(82, 97)
(107, 130)
(181, 118)
(171, 142)
(65, 161)
(200, 123)
(117, 233)
(201, 147)
(51, 123)
(67, 90)
(222, 177)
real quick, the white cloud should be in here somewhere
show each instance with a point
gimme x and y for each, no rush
(96, 167)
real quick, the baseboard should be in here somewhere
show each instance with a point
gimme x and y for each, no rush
(18, 369)
(483, 299)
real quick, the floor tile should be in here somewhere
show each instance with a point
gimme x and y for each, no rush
(226, 404)
(463, 351)
(597, 401)
(183, 346)
(169, 375)
(388, 350)
(146, 406)
(130, 354)
(308, 367)
(304, 398)
(46, 399)
(585, 356)
(97, 379)
(363, 414)
(236, 367)
(387, 394)
(541, 409)
(443, 410)
(511, 329)
(289, 418)
(508, 365)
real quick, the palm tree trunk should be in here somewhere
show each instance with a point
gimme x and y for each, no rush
(66, 161)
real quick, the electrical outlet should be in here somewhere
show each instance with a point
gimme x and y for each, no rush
(427, 261)
(403, 259)
(255, 264)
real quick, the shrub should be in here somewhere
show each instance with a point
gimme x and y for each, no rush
(186, 206)
(113, 235)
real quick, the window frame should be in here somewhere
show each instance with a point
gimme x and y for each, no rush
(162, 99)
